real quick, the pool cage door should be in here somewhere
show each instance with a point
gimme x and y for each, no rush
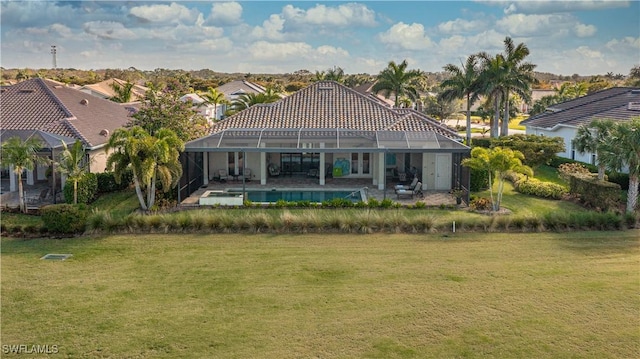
(192, 174)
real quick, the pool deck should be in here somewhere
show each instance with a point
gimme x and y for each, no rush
(431, 198)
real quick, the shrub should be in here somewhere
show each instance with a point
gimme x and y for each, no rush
(87, 189)
(107, 182)
(64, 218)
(480, 204)
(535, 187)
(557, 161)
(479, 180)
(481, 142)
(386, 203)
(592, 192)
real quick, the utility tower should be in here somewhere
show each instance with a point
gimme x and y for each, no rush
(54, 51)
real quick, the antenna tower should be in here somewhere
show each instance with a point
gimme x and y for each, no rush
(54, 51)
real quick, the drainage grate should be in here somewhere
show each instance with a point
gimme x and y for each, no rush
(56, 257)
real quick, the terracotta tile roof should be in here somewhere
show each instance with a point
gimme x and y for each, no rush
(105, 90)
(233, 89)
(46, 105)
(328, 104)
(611, 103)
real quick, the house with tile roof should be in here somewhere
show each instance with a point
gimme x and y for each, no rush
(234, 89)
(201, 106)
(332, 131)
(54, 112)
(104, 89)
(564, 119)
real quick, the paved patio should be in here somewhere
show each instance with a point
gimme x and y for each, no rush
(32, 195)
(431, 198)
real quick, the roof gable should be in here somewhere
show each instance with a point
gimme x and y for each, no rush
(45, 105)
(328, 104)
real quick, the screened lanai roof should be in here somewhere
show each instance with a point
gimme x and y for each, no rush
(323, 140)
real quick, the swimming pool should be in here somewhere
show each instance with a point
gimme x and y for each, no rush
(297, 195)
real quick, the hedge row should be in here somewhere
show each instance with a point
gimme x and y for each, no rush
(535, 187)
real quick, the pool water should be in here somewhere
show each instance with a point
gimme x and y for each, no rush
(267, 196)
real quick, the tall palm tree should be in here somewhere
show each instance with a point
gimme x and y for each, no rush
(71, 162)
(334, 74)
(590, 138)
(399, 81)
(123, 92)
(492, 83)
(519, 77)
(622, 148)
(149, 158)
(22, 155)
(247, 100)
(214, 97)
(462, 84)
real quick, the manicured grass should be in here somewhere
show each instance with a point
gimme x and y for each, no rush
(543, 295)
(549, 174)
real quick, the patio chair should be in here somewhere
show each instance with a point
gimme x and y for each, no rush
(247, 174)
(417, 191)
(274, 170)
(39, 199)
(223, 175)
(313, 172)
(410, 187)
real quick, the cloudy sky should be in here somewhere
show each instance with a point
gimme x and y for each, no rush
(564, 37)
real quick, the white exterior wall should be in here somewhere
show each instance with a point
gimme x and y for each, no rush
(98, 161)
(567, 134)
(217, 161)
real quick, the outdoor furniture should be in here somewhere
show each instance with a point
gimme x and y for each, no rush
(274, 170)
(40, 198)
(223, 175)
(410, 187)
(246, 174)
(417, 191)
(313, 172)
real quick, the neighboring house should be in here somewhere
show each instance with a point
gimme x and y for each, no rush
(105, 90)
(365, 89)
(328, 129)
(234, 89)
(54, 113)
(205, 109)
(563, 119)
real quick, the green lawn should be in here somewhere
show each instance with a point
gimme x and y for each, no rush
(542, 295)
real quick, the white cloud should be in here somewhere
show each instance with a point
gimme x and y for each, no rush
(345, 15)
(553, 6)
(408, 37)
(271, 28)
(625, 44)
(461, 26)
(582, 30)
(222, 44)
(536, 25)
(263, 50)
(109, 30)
(164, 13)
(61, 30)
(225, 13)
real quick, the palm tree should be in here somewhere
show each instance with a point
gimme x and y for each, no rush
(334, 74)
(247, 100)
(519, 77)
(622, 148)
(590, 138)
(123, 92)
(463, 83)
(395, 79)
(492, 83)
(71, 163)
(22, 155)
(215, 97)
(497, 162)
(149, 158)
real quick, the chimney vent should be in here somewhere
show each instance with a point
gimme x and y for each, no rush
(84, 101)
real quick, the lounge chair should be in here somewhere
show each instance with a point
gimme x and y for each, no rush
(274, 170)
(417, 191)
(223, 175)
(313, 172)
(38, 199)
(410, 187)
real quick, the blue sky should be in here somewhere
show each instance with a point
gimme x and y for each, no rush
(564, 37)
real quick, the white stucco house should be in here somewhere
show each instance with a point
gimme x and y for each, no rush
(564, 119)
(332, 131)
